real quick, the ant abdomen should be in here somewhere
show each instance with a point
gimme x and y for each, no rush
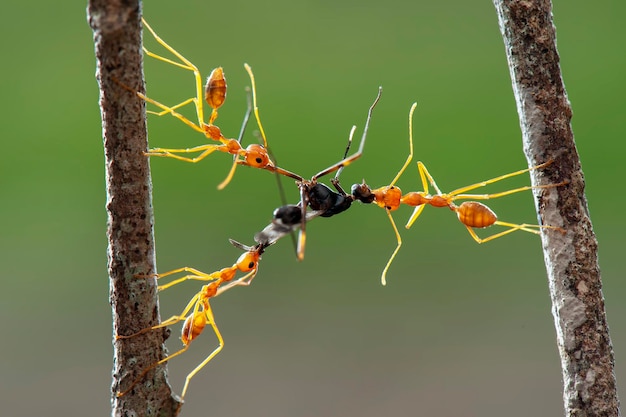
(193, 327)
(474, 214)
(215, 92)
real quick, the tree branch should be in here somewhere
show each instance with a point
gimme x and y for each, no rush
(571, 259)
(117, 38)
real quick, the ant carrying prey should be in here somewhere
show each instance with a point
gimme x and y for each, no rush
(254, 155)
(197, 314)
(471, 214)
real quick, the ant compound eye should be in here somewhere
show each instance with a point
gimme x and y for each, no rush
(256, 156)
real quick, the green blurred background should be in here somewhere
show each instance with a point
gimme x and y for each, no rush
(461, 328)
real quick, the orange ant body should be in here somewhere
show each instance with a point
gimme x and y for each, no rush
(471, 214)
(198, 313)
(254, 155)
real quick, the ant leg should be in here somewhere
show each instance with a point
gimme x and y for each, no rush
(167, 109)
(496, 179)
(211, 320)
(532, 228)
(418, 210)
(383, 278)
(230, 175)
(195, 275)
(347, 161)
(187, 65)
(512, 227)
(505, 193)
(244, 281)
(427, 178)
(172, 110)
(205, 150)
(410, 157)
(256, 108)
(149, 368)
(304, 200)
(193, 303)
(335, 180)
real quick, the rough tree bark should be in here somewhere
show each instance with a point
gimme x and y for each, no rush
(571, 259)
(117, 37)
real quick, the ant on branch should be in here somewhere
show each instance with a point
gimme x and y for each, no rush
(198, 313)
(254, 155)
(471, 214)
(326, 202)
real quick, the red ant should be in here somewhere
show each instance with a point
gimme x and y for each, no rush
(471, 213)
(198, 313)
(254, 155)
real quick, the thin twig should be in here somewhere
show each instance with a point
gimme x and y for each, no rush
(571, 259)
(117, 38)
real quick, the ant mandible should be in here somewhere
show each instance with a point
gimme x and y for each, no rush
(254, 155)
(198, 313)
(471, 214)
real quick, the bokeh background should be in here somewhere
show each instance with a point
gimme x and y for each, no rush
(461, 329)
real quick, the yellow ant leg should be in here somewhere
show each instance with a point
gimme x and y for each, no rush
(256, 108)
(230, 175)
(187, 65)
(195, 275)
(167, 110)
(504, 193)
(149, 368)
(418, 210)
(195, 303)
(172, 272)
(171, 153)
(211, 320)
(462, 190)
(383, 277)
(425, 178)
(410, 156)
(244, 281)
(172, 320)
(171, 110)
(512, 228)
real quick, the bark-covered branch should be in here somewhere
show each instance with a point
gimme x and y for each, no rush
(117, 37)
(571, 258)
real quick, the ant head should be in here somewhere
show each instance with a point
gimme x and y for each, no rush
(362, 192)
(388, 197)
(249, 261)
(257, 157)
